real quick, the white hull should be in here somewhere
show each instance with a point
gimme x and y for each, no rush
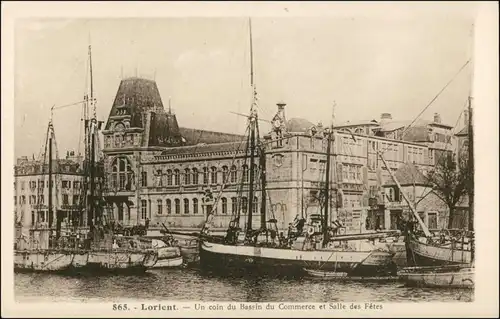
(96, 260)
(459, 278)
(168, 263)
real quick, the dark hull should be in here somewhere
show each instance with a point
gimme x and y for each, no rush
(277, 267)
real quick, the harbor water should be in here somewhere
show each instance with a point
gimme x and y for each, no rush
(192, 285)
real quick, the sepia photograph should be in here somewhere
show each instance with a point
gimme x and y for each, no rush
(246, 162)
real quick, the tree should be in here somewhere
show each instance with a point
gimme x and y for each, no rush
(449, 180)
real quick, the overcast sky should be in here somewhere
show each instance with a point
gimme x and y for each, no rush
(367, 65)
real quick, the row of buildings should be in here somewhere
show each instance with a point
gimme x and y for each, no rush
(158, 171)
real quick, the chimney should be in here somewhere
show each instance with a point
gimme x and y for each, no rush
(281, 106)
(437, 118)
(385, 116)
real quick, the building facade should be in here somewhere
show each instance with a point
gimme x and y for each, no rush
(158, 171)
(31, 191)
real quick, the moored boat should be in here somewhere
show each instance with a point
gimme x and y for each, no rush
(91, 248)
(451, 276)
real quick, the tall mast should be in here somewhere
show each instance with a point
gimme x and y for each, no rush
(263, 188)
(253, 120)
(470, 161)
(50, 176)
(89, 123)
(327, 181)
(410, 203)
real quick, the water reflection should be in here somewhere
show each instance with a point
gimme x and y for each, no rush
(190, 285)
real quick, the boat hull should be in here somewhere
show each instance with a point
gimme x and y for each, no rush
(83, 261)
(168, 262)
(429, 255)
(275, 261)
(438, 278)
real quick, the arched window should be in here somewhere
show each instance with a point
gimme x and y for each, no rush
(195, 176)
(195, 205)
(234, 205)
(213, 175)
(225, 175)
(169, 177)
(186, 206)
(177, 206)
(160, 207)
(205, 175)
(234, 175)
(169, 206)
(244, 205)
(177, 177)
(245, 173)
(224, 205)
(187, 176)
(122, 174)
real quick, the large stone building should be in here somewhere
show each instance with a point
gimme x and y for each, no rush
(159, 171)
(31, 191)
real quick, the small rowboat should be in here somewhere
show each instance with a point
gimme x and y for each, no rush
(168, 263)
(343, 276)
(325, 274)
(461, 276)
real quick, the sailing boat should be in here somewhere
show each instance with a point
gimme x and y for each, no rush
(99, 251)
(449, 267)
(290, 256)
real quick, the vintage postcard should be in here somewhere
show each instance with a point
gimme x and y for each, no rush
(275, 159)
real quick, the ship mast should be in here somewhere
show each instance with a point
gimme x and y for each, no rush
(90, 125)
(410, 203)
(51, 211)
(471, 174)
(253, 123)
(329, 134)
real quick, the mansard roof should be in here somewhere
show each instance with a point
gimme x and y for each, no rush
(195, 136)
(199, 149)
(135, 96)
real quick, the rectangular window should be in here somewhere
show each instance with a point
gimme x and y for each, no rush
(186, 206)
(65, 199)
(144, 208)
(123, 181)
(65, 184)
(160, 207)
(432, 220)
(160, 178)
(22, 185)
(144, 179)
(313, 163)
(76, 200)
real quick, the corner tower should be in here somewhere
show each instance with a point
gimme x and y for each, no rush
(138, 118)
